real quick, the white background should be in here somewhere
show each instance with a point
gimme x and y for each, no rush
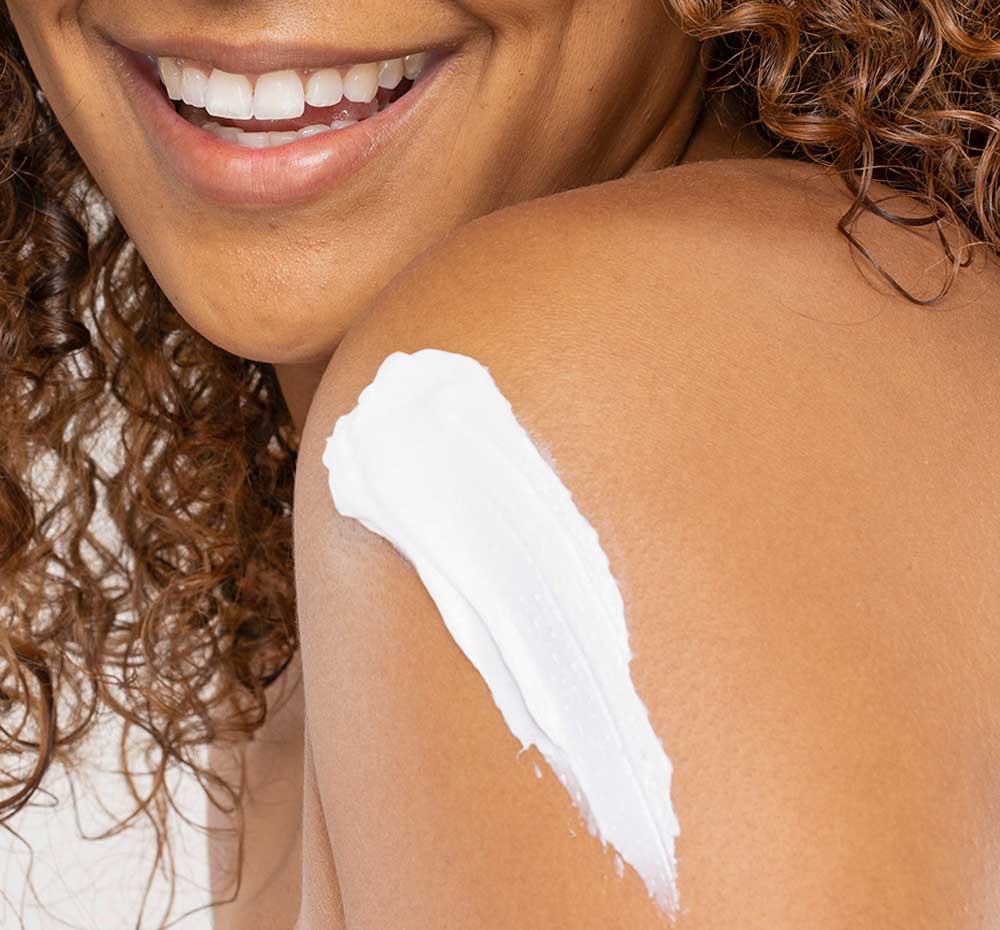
(97, 885)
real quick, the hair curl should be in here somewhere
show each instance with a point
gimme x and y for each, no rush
(905, 92)
(159, 586)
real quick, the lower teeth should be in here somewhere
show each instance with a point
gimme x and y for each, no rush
(273, 139)
(266, 140)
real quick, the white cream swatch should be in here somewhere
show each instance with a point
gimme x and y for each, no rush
(433, 459)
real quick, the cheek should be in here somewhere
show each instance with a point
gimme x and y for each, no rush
(51, 57)
(533, 14)
(73, 78)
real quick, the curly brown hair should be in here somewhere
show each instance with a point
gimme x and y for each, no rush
(904, 92)
(152, 576)
(145, 491)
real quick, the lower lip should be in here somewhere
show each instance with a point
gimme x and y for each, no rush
(238, 176)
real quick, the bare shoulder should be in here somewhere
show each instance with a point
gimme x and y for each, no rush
(793, 475)
(725, 244)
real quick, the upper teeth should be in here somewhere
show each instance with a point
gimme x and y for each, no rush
(281, 94)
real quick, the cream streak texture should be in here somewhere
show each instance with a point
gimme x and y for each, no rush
(433, 459)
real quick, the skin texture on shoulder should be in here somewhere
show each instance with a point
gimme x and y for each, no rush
(809, 589)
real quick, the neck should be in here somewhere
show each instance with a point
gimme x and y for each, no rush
(700, 130)
(298, 386)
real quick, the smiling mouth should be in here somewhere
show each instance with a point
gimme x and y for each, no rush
(229, 129)
(278, 108)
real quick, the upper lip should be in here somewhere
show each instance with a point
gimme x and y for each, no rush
(257, 56)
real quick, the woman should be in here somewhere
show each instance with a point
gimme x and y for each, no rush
(732, 263)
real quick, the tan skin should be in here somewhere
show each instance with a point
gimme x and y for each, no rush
(793, 474)
(811, 453)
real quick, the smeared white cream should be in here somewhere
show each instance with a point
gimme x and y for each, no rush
(433, 459)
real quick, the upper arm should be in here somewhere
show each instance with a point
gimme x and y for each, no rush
(781, 612)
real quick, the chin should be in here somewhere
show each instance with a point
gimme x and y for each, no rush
(281, 332)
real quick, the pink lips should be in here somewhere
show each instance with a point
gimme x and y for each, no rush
(231, 174)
